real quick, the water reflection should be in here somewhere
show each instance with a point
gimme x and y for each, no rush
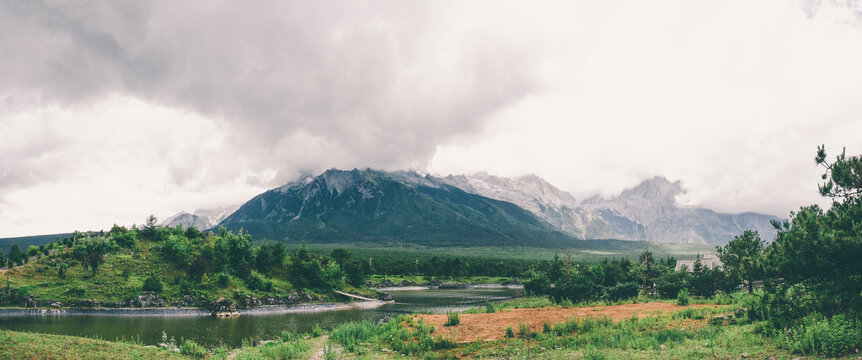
(212, 332)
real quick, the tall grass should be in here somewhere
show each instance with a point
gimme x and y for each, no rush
(452, 319)
(352, 335)
(191, 348)
(819, 335)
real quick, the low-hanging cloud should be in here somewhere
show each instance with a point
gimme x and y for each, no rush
(381, 84)
(111, 110)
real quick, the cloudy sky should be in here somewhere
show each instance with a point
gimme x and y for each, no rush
(112, 110)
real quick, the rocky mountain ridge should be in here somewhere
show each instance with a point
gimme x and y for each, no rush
(390, 207)
(646, 212)
(374, 205)
(201, 218)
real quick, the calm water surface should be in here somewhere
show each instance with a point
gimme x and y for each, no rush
(230, 332)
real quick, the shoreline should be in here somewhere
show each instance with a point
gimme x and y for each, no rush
(190, 311)
(468, 286)
(257, 310)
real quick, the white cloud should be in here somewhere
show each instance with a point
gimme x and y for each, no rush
(110, 111)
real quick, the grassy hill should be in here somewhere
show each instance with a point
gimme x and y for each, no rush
(183, 267)
(21, 345)
(25, 242)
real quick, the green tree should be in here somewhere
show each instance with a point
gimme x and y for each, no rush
(124, 237)
(340, 255)
(813, 264)
(645, 271)
(149, 229)
(61, 269)
(741, 258)
(270, 257)
(669, 284)
(305, 270)
(94, 260)
(14, 254)
(153, 284)
(702, 280)
(178, 249)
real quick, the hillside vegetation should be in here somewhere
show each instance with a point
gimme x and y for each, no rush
(182, 267)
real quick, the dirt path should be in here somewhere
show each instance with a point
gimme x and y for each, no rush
(493, 326)
(318, 347)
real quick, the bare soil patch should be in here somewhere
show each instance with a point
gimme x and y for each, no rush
(492, 326)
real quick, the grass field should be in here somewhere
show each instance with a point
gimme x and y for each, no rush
(655, 330)
(21, 345)
(526, 328)
(587, 252)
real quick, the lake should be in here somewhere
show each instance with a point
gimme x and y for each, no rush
(211, 332)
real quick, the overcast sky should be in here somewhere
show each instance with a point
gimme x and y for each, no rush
(113, 110)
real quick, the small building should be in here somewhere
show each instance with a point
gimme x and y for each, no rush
(709, 261)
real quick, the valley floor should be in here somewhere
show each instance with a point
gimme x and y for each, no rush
(528, 328)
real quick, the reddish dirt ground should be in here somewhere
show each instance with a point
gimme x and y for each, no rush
(493, 326)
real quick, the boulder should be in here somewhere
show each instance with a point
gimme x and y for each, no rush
(148, 299)
(223, 308)
(30, 301)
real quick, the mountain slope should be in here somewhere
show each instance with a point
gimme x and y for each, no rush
(532, 193)
(398, 207)
(651, 214)
(202, 218)
(647, 212)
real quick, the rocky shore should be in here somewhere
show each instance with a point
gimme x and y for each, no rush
(150, 301)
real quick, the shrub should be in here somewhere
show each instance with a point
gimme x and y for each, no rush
(292, 350)
(351, 335)
(670, 284)
(623, 291)
(188, 347)
(817, 335)
(567, 327)
(256, 283)
(489, 308)
(223, 279)
(76, 291)
(691, 313)
(682, 299)
(509, 332)
(524, 331)
(452, 319)
(178, 249)
(152, 283)
(316, 331)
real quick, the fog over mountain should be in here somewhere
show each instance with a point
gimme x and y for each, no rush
(646, 212)
(405, 206)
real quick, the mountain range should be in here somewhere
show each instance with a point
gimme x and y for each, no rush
(201, 218)
(479, 209)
